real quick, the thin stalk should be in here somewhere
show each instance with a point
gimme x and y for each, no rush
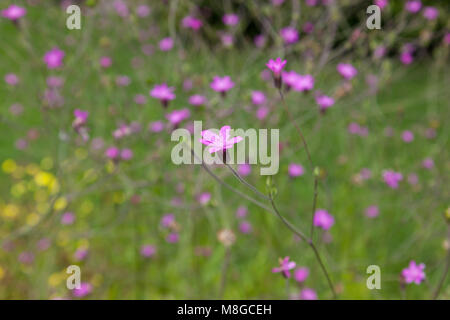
(444, 274)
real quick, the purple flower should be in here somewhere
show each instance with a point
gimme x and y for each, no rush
(428, 163)
(289, 35)
(414, 273)
(304, 83)
(192, 23)
(222, 84)
(81, 254)
(176, 116)
(143, 10)
(381, 3)
(300, 274)
(244, 169)
(346, 70)
(407, 136)
(67, 218)
(406, 58)
(197, 100)
(163, 93)
(413, 179)
(55, 82)
(290, 78)
(26, 257)
(203, 198)
(172, 237)
(84, 290)
(112, 153)
(105, 62)
(392, 178)
(147, 250)
(166, 44)
(219, 142)
(167, 220)
(126, 154)
(372, 211)
(53, 58)
(413, 6)
(80, 116)
(230, 19)
(13, 12)
(156, 126)
(121, 8)
(285, 267)
(276, 66)
(241, 212)
(262, 112)
(308, 294)
(245, 227)
(258, 97)
(323, 219)
(295, 170)
(140, 99)
(324, 102)
(11, 79)
(430, 13)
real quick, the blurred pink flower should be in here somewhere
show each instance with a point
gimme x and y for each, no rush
(407, 136)
(148, 250)
(245, 227)
(244, 169)
(14, 12)
(219, 142)
(227, 39)
(406, 58)
(121, 8)
(140, 99)
(323, 219)
(381, 3)
(392, 178)
(105, 62)
(81, 254)
(258, 97)
(259, 40)
(372, 211)
(285, 267)
(123, 81)
(126, 154)
(55, 82)
(203, 198)
(413, 6)
(167, 220)
(112, 153)
(262, 112)
(172, 237)
(143, 11)
(413, 179)
(308, 294)
(346, 70)
(300, 274)
(163, 93)
(54, 58)
(177, 116)
(414, 273)
(197, 100)
(193, 23)
(304, 83)
(26, 257)
(67, 218)
(428, 163)
(166, 44)
(156, 126)
(430, 13)
(241, 212)
(222, 84)
(289, 35)
(230, 19)
(324, 102)
(84, 290)
(295, 170)
(11, 79)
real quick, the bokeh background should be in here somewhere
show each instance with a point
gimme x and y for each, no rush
(100, 191)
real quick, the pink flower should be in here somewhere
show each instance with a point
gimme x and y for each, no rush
(414, 273)
(176, 116)
(105, 62)
(346, 70)
(172, 237)
(197, 100)
(67, 218)
(258, 97)
(222, 84)
(295, 170)
(26, 257)
(112, 153)
(392, 178)
(308, 294)
(123, 81)
(156, 126)
(81, 254)
(324, 102)
(285, 266)
(311, 3)
(323, 219)
(147, 250)
(245, 227)
(143, 11)
(227, 39)
(80, 118)
(55, 82)
(372, 211)
(428, 163)
(241, 212)
(259, 40)
(126, 154)
(430, 13)
(192, 23)
(413, 6)
(230, 19)
(301, 274)
(262, 112)
(203, 198)
(413, 179)
(219, 142)
(289, 35)
(163, 93)
(276, 66)
(11, 79)
(84, 290)
(304, 83)
(167, 220)
(406, 58)
(381, 3)
(407, 136)
(290, 78)
(140, 99)
(53, 58)
(121, 8)
(244, 169)
(166, 44)
(14, 12)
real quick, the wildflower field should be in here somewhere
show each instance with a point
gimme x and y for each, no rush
(356, 206)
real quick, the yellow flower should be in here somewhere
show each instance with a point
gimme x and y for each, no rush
(18, 189)
(32, 219)
(55, 279)
(60, 203)
(9, 166)
(32, 169)
(10, 211)
(43, 178)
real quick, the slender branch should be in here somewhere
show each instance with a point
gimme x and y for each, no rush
(246, 183)
(446, 270)
(311, 234)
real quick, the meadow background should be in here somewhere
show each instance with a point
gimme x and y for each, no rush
(65, 201)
